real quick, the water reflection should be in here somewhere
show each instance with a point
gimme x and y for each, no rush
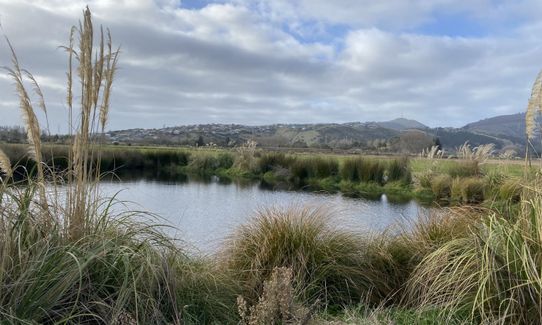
(206, 209)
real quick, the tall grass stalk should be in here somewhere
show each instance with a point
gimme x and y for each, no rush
(493, 274)
(95, 68)
(86, 263)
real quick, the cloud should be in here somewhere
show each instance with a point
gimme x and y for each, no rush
(261, 62)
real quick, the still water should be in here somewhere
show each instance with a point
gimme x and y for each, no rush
(203, 214)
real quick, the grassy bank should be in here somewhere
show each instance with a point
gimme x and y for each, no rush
(465, 265)
(444, 181)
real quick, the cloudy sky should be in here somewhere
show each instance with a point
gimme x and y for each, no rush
(442, 62)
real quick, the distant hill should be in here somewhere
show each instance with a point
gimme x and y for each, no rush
(401, 124)
(508, 126)
(395, 136)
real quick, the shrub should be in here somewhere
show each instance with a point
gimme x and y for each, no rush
(277, 304)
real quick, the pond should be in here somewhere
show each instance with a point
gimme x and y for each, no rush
(203, 214)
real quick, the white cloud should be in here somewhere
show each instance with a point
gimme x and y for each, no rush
(237, 62)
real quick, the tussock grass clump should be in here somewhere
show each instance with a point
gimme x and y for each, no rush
(424, 179)
(326, 262)
(493, 274)
(323, 167)
(303, 169)
(391, 257)
(399, 170)
(441, 185)
(120, 160)
(207, 164)
(118, 268)
(472, 190)
(465, 168)
(511, 191)
(225, 160)
(273, 160)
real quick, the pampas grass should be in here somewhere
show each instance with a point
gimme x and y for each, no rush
(534, 107)
(5, 165)
(479, 154)
(86, 264)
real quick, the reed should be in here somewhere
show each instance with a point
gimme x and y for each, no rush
(399, 170)
(363, 170)
(491, 274)
(69, 258)
(274, 160)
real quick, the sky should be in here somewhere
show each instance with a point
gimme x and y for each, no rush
(441, 62)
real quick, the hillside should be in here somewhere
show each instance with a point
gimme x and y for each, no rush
(395, 136)
(508, 126)
(401, 124)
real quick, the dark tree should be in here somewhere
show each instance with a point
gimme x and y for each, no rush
(438, 144)
(200, 142)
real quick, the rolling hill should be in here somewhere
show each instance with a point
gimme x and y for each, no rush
(401, 124)
(398, 135)
(507, 126)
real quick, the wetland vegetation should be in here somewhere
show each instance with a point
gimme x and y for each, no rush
(71, 259)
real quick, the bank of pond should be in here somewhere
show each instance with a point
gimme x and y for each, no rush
(443, 182)
(282, 265)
